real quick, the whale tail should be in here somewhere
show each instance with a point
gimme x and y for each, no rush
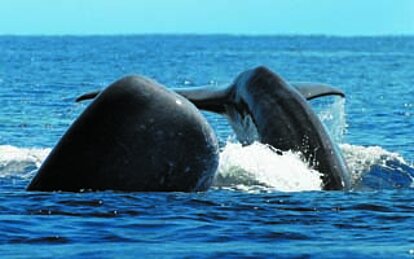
(209, 98)
(214, 98)
(314, 90)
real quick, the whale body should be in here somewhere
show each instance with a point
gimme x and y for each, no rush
(135, 136)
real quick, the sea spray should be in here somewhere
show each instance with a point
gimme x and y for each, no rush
(331, 111)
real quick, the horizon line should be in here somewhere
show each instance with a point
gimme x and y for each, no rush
(206, 34)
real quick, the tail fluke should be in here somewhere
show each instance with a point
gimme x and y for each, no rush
(87, 96)
(314, 90)
(209, 98)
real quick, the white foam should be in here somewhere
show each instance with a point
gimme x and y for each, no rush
(20, 161)
(360, 159)
(260, 165)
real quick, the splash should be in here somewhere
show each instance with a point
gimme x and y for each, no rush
(371, 167)
(376, 168)
(333, 116)
(20, 161)
(360, 159)
(259, 165)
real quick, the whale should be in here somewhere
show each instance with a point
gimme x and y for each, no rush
(135, 136)
(261, 106)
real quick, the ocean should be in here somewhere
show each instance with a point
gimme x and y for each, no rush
(262, 204)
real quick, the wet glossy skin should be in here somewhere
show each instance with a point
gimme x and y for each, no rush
(135, 136)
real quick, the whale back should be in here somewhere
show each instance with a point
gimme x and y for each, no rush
(135, 136)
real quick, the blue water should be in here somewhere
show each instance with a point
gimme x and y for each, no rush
(261, 214)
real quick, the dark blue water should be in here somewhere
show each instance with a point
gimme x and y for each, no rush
(41, 76)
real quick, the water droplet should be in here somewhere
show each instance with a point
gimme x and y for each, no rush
(187, 82)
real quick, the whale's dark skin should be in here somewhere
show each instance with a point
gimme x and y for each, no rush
(135, 136)
(261, 106)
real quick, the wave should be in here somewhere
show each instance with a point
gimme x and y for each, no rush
(21, 162)
(259, 167)
(374, 168)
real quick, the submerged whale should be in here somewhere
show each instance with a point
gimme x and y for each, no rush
(261, 106)
(135, 136)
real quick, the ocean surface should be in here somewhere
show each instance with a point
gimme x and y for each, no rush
(262, 204)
